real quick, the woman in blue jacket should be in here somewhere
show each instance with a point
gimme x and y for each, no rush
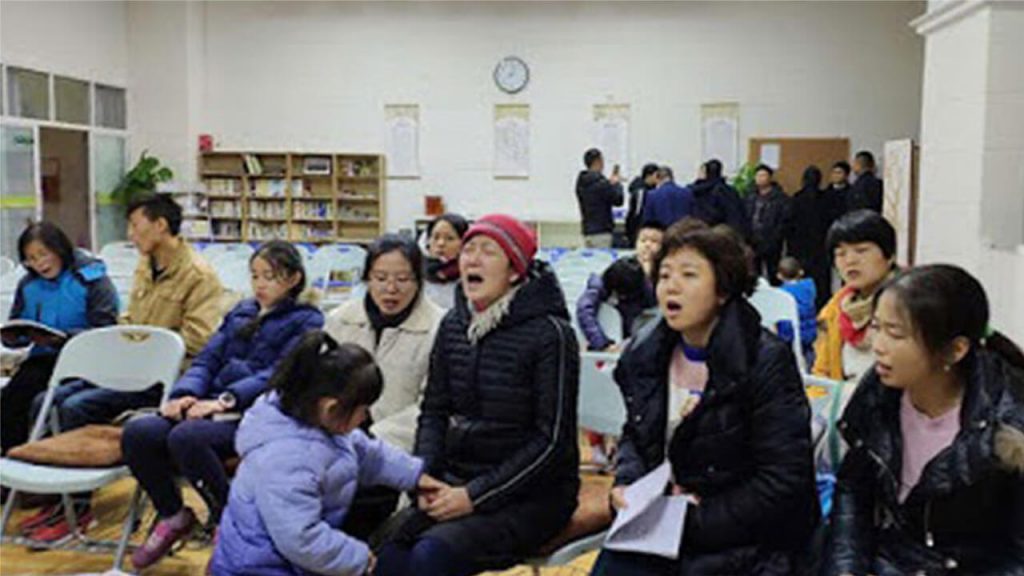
(65, 289)
(195, 431)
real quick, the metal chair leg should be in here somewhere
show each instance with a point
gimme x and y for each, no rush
(8, 510)
(130, 523)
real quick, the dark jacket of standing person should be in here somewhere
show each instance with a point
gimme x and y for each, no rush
(639, 188)
(769, 221)
(715, 202)
(812, 211)
(597, 196)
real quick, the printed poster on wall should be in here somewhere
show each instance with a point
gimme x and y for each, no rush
(512, 141)
(610, 135)
(403, 140)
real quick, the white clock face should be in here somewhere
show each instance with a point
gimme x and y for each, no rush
(511, 74)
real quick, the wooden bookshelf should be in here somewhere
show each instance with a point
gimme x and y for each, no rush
(322, 197)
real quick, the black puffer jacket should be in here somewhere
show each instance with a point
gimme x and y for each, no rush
(866, 192)
(715, 202)
(499, 416)
(745, 450)
(966, 514)
(769, 221)
(597, 196)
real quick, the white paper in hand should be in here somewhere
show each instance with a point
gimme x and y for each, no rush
(651, 522)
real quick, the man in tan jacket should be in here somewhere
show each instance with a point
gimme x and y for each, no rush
(174, 287)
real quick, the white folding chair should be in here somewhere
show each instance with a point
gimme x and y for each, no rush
(6, 265)
(602, 410)
(587, 260)
(337, 270)
(124, 250)
(234, 274)
(238, 250)
(776, 305)
(121, 358)
(8, 287)
(611, 321)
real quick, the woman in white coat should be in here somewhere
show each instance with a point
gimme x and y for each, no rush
(397, 324)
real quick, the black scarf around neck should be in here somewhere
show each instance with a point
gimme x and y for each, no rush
(380, 322)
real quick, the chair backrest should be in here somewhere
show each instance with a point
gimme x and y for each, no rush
(601, 407)
(337, 260)
(776, 305)
(239, 250)
(588, 259)
(123, 358)
(122, 250)
(610, 320)
(234, 274)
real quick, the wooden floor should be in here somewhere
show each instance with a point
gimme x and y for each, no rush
(109, 506)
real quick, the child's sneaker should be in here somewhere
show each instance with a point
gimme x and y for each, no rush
(166, 533)
(59, 531)
(46, 515)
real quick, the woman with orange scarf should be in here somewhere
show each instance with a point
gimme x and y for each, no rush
(863, 246)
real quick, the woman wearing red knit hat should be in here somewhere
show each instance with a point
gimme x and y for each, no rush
(498, 420)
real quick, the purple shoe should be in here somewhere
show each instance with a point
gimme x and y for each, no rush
(167, 532)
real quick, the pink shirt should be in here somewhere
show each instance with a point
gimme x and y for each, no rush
(923, 439)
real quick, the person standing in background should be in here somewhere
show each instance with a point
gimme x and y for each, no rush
(669, 202)
(638, 189)
(769, 210)
(597, 196)
(866, 191)
(813, 211)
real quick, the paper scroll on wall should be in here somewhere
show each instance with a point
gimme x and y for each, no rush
(403, 140)
(720, 134)
(610, 135)
(512, 141)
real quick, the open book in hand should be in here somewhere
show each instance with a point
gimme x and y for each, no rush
(652, 522)
(22, 333)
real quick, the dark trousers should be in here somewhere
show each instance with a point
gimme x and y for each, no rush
(79, 403)
(370, 508)
(16, 399)
(427, 556)
(157, 450)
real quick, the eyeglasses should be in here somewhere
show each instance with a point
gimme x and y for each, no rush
(400, 281)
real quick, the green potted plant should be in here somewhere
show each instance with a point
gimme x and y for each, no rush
(142, 178)
(743, 181)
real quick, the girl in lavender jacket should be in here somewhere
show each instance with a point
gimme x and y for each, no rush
(303, 457)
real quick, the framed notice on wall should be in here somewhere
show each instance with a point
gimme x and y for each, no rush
(900, 198)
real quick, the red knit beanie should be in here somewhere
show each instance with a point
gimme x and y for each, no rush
(516, 239)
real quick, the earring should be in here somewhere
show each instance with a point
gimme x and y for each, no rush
(946, 368)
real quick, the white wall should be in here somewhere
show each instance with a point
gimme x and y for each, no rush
(317, 75)
(84, 39)
(971, 203)
(165, 74)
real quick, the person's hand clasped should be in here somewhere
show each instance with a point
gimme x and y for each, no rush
(176, 409)
(204, 409)
(450, 504)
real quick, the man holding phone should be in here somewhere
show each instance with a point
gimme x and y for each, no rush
(597, 196)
